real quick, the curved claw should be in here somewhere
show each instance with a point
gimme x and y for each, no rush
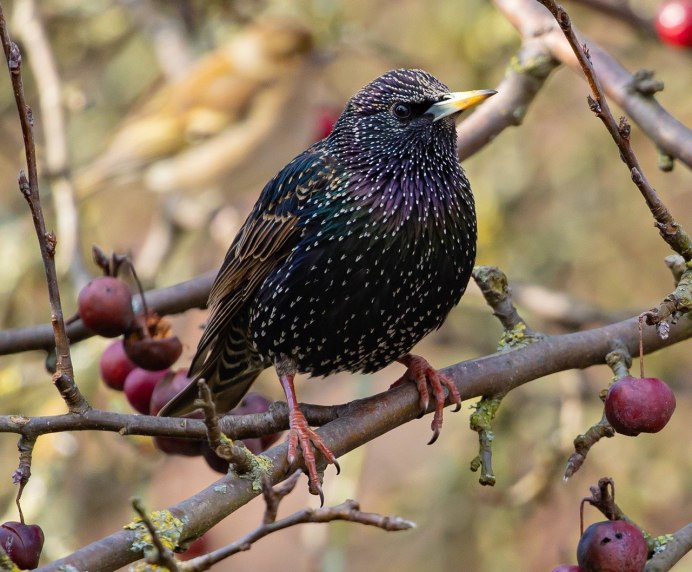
(301, 433)
(423, 374)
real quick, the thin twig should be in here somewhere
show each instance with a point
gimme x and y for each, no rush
(348, 511)
(583, 444)
(494, 286)
(240, 457)
(64, 378)
(526, 74)
(670, 230)
(23, 473)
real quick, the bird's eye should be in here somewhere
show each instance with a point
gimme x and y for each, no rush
(402, 110)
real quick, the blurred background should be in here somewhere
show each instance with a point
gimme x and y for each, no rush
(175, 115)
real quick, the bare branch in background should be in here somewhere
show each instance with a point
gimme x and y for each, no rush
(670, 229)
(534, 21)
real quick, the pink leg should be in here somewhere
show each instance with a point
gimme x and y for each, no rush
(422, 373)
(300, 432)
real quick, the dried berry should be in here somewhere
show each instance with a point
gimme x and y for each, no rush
(256, 403)
(153, 354)
(150, 343)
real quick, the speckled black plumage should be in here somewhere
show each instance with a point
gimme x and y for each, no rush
(355, 251)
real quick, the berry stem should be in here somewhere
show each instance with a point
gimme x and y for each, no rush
(641, 345)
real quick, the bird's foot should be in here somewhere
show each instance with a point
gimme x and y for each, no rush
(309, 440)
(423, 374)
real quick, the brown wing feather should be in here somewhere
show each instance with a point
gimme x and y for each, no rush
(265, 239)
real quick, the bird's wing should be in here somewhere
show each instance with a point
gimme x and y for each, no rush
(265, 239)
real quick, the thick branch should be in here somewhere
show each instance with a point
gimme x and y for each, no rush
(363, 420)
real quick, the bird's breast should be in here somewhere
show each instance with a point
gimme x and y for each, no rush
(370, 277)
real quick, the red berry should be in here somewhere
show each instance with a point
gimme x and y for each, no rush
(636, 405)
(115, 365)
(153, 353)
(674, 22)
(197, 548)
(612, 546)
(167, 388)
(567, 568)
(178, 446)
(213, 460)
(256, 403)
(22, 543)
(139, 386)
(105, 306)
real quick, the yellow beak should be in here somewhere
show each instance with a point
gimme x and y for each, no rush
(458, 101)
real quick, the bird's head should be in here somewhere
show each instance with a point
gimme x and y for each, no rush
(404, 109)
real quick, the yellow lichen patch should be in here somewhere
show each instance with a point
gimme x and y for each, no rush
(168, 527)
(261, 465)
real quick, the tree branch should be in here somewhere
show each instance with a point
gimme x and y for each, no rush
(670, 230)
(169, 300)
(534, 21)
(363, 420)
(526, 73)
(64, 375)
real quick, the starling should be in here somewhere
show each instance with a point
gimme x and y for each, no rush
(353, 253)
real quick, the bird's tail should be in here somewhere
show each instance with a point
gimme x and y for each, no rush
(225, 395)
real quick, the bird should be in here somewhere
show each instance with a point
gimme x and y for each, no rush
(356, 250)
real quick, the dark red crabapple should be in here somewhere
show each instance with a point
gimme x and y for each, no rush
(153, 353)
(612, 546)
(115, 365)
(139, 386)
(636, 405)
(674, 22)
(22, 543)
(177, 446)
(105, 306)
(215, 462)
(567, 568)
(256, 403)
(167, 388)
